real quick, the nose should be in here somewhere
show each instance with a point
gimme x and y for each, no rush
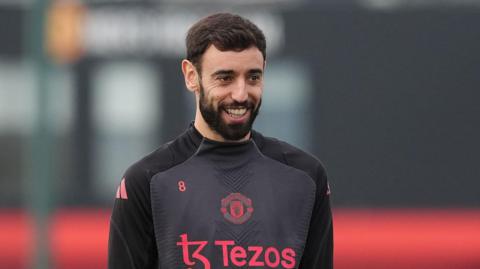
(240, 91)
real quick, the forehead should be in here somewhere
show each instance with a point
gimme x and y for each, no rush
(238, 61)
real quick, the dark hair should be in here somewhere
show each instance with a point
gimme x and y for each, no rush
(227, 32)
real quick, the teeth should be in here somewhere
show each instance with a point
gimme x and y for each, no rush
(236, 112)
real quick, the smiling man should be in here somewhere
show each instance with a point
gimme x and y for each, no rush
(228, 91)
(222, 195)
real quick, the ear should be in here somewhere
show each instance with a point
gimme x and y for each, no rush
(191, 76)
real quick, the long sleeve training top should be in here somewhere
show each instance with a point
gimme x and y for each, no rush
(197, 203)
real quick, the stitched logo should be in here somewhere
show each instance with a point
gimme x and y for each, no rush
(122, 191)
(236, 208)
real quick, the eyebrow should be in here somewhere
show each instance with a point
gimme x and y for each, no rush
(222, 72)
(255, 71)
(231, 72)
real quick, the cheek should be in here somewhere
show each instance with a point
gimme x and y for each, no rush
(217, 96)
(213, 98)
(256, 93)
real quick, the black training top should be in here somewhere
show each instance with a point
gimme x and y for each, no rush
(197, 203)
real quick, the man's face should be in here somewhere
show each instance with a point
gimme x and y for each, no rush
(231, 88)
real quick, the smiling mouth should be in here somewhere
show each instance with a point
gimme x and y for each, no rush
(236, 112)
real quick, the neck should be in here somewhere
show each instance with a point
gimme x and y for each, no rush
(207, 132)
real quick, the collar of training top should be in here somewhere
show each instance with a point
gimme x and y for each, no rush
(197, 138)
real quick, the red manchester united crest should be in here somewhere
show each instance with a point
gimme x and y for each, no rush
(237, 208)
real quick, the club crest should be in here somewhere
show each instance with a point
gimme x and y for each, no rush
(236, 208)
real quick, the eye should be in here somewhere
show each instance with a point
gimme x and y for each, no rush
(225, 78)
(255, 77)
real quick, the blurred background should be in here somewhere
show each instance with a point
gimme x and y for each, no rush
(384, 92)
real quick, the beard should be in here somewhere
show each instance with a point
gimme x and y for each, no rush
(213, 117)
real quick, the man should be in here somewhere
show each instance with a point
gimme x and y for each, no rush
(222, 195)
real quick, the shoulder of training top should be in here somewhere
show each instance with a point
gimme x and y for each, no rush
(292, 156)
